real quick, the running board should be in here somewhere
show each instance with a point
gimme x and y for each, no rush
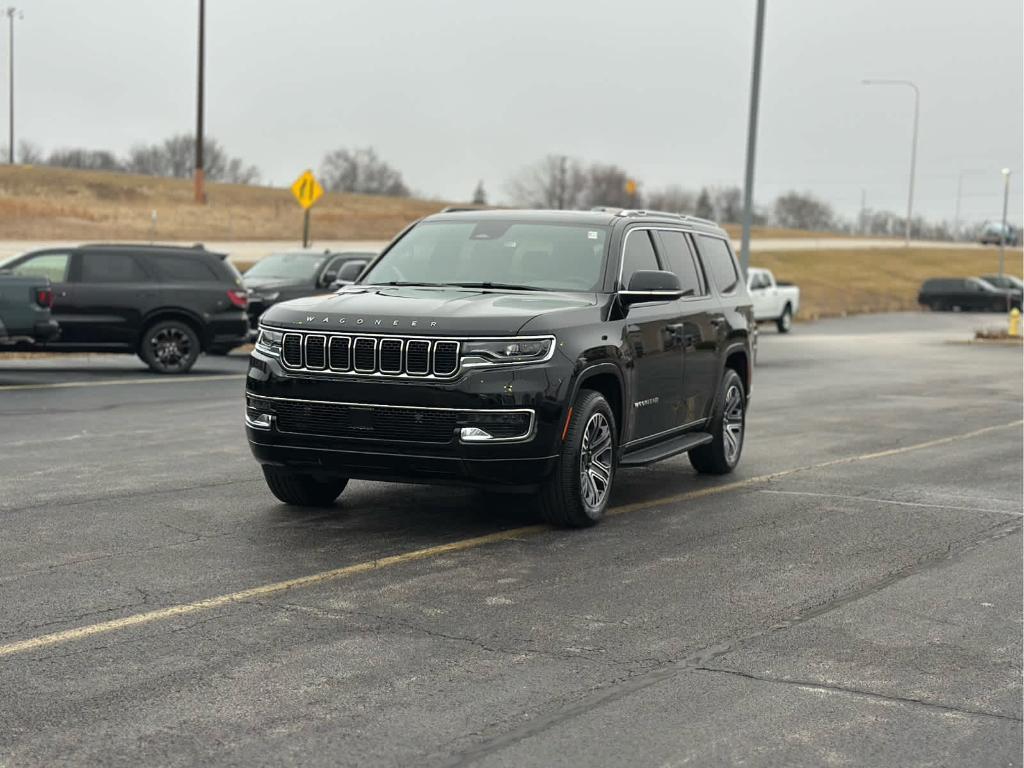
(666, 450)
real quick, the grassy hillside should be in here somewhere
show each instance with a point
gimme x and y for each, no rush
(42, 203)
(875, 280)
(61, 204)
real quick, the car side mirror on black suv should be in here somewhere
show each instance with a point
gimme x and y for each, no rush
(647, 285)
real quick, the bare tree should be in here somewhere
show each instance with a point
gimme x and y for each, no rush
(606, 185)
(30, 153)
(480, 194)
(705, 209)
(673, 199)
(361, 171)
(85, 159)
(728, 203)
(556, 181)
(175, 157)
(802, 211)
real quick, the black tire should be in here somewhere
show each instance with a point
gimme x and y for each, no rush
(785, 321)
(169, 346)
(573, 497)
(728, 419)
(302, 490)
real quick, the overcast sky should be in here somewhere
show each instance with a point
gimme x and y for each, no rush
(452, 91)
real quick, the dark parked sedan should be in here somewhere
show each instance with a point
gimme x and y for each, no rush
(284, 276)
(966, 293)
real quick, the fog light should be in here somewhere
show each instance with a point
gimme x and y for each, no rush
(259, 420)
(474, 434)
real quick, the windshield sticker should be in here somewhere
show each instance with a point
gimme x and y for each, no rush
(591, 235)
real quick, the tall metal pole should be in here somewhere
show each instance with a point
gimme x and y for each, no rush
(913, 149)
(1004, 233)
(748, 179)
(199, 181)
(11, 10)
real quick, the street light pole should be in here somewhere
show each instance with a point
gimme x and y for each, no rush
(11, 11)
(1003, 233)
(748, 179)
(200, 189)
(913, 148)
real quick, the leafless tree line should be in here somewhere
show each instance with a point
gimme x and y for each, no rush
(174, 157)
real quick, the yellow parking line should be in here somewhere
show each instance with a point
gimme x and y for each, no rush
(114, 382)
(79, 633)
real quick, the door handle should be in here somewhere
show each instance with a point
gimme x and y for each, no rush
(62, 294)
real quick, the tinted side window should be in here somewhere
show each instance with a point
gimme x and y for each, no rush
(679, 258)
(99, 267)
(181, 269)
(51, 265)
(350, 270)
(718, 263)
(639, 254)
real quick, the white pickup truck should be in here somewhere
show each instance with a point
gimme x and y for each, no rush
(777, 302)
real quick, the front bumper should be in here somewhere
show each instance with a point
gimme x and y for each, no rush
(518, 461)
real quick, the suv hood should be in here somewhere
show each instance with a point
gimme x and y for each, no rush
(428, 311)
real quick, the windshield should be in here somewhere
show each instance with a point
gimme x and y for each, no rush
(498, 254)
(298, 266)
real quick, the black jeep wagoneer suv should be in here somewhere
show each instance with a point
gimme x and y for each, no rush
(530, 351)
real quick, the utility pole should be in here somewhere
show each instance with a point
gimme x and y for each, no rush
(199, 181)
(748, 178)
(11, 11)
(863, 210)
(913, 148)
(1004, 233)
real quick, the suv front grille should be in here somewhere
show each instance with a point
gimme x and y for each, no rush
(370, 355)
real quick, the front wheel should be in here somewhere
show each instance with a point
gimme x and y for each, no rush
(728, 423)
(785, 321)
(301, 490)
(576, 495)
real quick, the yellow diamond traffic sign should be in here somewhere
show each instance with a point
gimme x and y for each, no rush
(307, 190)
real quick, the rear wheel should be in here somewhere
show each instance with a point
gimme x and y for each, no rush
(728, 424)
(785, 321)
(576, 495)
(169, 346)
(301, 490)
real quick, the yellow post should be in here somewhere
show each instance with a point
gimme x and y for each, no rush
(1014, 322)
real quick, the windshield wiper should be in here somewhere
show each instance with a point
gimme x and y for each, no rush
(505, 286)
(408, 283)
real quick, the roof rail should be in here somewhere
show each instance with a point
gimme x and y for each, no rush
(158, 246)
(460, 209)
(649, 212)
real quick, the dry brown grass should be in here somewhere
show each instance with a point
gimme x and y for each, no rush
(840, 282)
(62, 204)
(42, 203)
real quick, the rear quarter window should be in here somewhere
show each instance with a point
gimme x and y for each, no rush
(183, 269)
(718, 263)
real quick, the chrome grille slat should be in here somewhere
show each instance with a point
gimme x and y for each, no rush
(364, 355)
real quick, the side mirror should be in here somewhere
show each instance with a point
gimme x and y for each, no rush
(649, 285)
(338, 284)
(328, 277)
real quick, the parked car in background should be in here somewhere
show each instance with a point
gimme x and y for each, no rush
(993, 232)
(1007, 282)
(167, 304)
(294, 274)
(773, 301)
(948, 294)
(25, 315)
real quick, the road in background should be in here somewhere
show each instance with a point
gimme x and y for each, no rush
(850, 595)
(253, 250)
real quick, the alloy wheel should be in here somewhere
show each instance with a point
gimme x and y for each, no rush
(171, 347)
(732, 423)
(596, 456)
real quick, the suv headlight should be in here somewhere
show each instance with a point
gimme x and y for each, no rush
(269, 341)
(498, 351)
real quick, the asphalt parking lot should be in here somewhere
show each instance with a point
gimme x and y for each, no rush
(850, 596)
